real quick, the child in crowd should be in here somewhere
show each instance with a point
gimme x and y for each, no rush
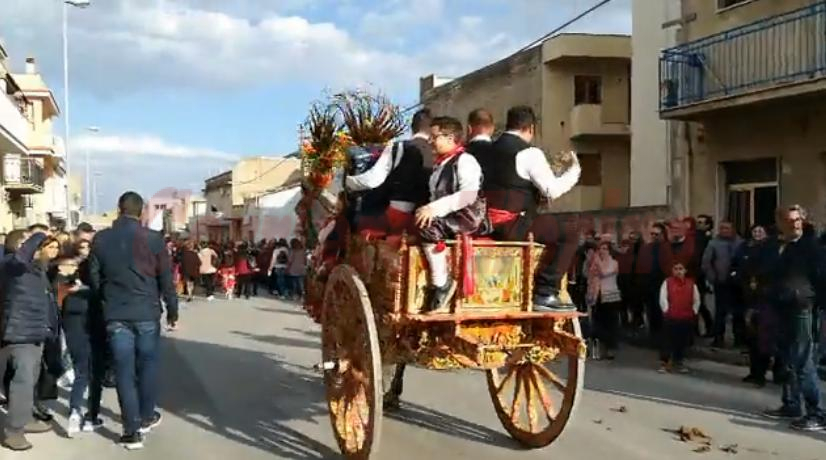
(680, 302)
(227, 275)
(297, 268)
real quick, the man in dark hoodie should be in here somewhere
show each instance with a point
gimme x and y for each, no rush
(30, 318)
(130, 272)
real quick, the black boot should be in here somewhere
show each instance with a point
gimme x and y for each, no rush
(441, 297)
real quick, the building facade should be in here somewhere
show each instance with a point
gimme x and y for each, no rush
(655, 160)
(747, 81)
(228, 194)
(579, 86)
(34, 183)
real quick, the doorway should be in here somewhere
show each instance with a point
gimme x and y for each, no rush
(752, 193)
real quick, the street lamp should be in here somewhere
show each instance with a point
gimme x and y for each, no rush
(95, 191)
(66, 5)
(88, 175)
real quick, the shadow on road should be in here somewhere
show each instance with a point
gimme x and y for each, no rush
(245, 396)
(279, 341)
(297, 311)
(439, 422)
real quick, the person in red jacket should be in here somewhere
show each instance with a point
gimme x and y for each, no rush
(680, 302)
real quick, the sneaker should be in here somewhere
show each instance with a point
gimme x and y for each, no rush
(132, 441)
(75, 424)
(42, 413)
(663, 369)
(783, 413)
(681, 369)
(809, 423)
(149, 425)
(36, 427)
(210, 298)
(16, 441)
(91, 424)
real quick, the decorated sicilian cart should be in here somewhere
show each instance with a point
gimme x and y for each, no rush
(367, 290)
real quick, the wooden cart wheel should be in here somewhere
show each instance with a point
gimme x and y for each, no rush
(535, 403)
(354, 384)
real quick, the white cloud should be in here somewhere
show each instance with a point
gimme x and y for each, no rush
(144, 146)
(122, 46)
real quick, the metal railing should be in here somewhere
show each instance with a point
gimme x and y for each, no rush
(783, 49)
(22, 173)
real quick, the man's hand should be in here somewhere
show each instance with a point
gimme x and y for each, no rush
(171, 324)
(424, 217)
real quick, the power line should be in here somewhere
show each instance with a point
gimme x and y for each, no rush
(541, 39)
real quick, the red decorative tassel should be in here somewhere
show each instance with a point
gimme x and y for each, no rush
(440, 246)
(468, 275)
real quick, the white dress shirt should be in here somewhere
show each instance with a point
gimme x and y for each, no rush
(378, 173)
(481, 138)
(532, 165)
(469, 175)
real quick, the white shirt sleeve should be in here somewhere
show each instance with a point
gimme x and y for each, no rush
(696, 304)
(531, 164)
(664, 297)
(470, 182)
(375, 176)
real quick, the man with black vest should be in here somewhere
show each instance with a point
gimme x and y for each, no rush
(400, 176)
(480, 130)
(516, 174)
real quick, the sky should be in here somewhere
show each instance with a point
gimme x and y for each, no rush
(181, 89)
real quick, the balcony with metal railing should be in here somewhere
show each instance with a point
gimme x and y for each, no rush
(776, 57)
(22, 175)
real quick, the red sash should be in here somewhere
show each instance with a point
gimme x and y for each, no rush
(500, 216)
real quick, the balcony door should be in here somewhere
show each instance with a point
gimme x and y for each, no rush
(752, 193)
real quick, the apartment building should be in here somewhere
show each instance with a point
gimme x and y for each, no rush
(226, 194)
(747, 83)
(579, 86)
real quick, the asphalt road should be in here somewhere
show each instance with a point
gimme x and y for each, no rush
(238, 384)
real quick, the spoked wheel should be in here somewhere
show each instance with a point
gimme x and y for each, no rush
(534, 402)
(350, 350)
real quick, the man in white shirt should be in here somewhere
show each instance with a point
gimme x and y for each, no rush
(455, 208)
(398, 178)
(517, 175)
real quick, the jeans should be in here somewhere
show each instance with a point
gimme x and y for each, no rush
(25, 359)
(135, 349)
(676, 338)
(725, 303)
(244, 286)
(208, 280)
(606, 324)
(296, 285)
(798, 348)
(278, 280)
(87, 347)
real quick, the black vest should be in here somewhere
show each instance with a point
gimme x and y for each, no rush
(406, 182)
(480, 149)
(504, 188)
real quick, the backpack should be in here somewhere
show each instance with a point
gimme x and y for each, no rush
(282, 258)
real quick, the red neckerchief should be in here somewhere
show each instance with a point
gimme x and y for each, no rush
(443, 158)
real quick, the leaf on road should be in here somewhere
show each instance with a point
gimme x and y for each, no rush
(729, 449)
(598, 421)
(691, 434)
(621, 409)
(703, 449)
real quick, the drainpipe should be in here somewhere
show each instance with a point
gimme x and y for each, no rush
(689, 154)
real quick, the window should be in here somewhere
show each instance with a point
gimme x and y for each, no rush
(160, 207)
(587, 89)
(591, 164)
(722, 4)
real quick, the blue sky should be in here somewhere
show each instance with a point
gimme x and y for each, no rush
(180, 88)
